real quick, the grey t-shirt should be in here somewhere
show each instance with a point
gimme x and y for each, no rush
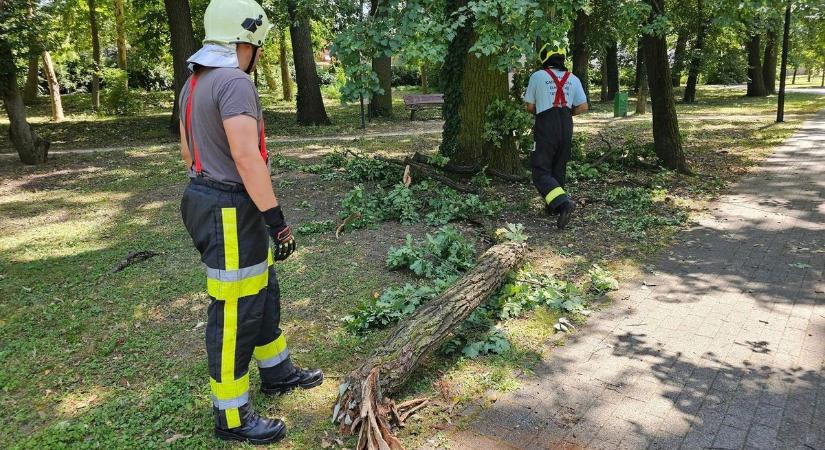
(220, 93)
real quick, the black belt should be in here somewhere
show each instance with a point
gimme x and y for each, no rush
(226, 187)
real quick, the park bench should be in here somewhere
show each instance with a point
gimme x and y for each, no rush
(417, 102)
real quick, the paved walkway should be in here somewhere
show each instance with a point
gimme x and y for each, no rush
(721, 348)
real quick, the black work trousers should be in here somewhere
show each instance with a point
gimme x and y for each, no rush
(244, 313)
(553, 134)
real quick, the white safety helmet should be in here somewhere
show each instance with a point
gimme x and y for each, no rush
(235, 21)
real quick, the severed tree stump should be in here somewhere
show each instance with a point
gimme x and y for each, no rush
(360, 407)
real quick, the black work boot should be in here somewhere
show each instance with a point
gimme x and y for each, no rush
(254, 429)
(302, 378)
(565, 214)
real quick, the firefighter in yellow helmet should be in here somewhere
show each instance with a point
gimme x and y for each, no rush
(554, 95)
(231, 212)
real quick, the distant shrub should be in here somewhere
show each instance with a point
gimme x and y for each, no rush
(116, 97)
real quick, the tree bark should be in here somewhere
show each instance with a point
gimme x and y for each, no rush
(679, 56)
(641, 95)
(311, 109)
(120, 28)
(696, 54)
(286, 79)
(183, 46)
(795, 70)
(54, 88)
(612, 62)
(266, 68)
(756, 81)
(392, 363)
(31, 148)
(581, 50)
(783, 73)
(639, 67)
(381, 104)
(425, 84)
(603, 72)
(666, 138)
(30, 90)
(769, 65)
(95, 54)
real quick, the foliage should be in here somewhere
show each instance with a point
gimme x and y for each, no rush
(638, 209)
(446, 205)
(512, 233)
(601, 280)
(316, 227)
(439, 258)
(581, 171)
(116, 97)
(403, 205)
(443, 256)
(361, 208)
(506, 119)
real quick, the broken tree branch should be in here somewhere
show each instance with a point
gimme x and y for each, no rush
(390, 365)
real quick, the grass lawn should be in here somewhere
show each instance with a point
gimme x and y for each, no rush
(96, 359)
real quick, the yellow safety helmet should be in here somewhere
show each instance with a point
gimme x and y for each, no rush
(545, 53)
(235, 21)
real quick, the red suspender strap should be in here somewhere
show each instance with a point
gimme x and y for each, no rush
(262, 141)
(193, 83)
(561, 99)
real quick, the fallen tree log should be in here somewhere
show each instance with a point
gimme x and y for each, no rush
(361, 406)
(422, 170)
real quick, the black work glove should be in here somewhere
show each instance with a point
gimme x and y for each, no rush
(280, 233)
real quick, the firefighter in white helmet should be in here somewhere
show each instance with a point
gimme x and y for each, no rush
(231, 212)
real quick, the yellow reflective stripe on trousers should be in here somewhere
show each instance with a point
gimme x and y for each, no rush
(554, 194)
(233, 418)
(232, 258)
(231, 388)
(233, 290)
(272, 354)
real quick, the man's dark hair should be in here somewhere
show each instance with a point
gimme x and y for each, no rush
(553, 61)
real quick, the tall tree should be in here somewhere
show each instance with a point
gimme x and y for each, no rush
(637, 79)
(120, 30)
(612, 68)
(769, 62)
(642, 93)
(266, 68)
(183, 46)
(381, 102)
(31, 148)
(666, 138)
(581, 49)
(696, 53)
(95, 35)
(780, 110)
(286, 79)
(679, 56)
(54, 87)
(756, 80)
(32, 78)
(311, 109)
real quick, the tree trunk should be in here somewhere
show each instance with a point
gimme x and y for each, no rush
(612, 70)
(795, 69)
(823, 76)
(381, 104)
(54, 88)
(769, 66)
(425, 84)
(120, 28)
(637, 80)
(286, 79)
(183, 46)
(311, 109)
(666, 138)
(756, 81)
(679, 56)
(30, 147)
(266, 68)
(95, 55)
(641, 95)
(392, 363)
(603, 93)
(581, 50)
(696, 54)
(30, 91)
(783, 73)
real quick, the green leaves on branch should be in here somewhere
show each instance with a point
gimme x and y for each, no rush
(507, 118)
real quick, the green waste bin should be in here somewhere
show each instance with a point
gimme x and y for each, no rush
(620, 105)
